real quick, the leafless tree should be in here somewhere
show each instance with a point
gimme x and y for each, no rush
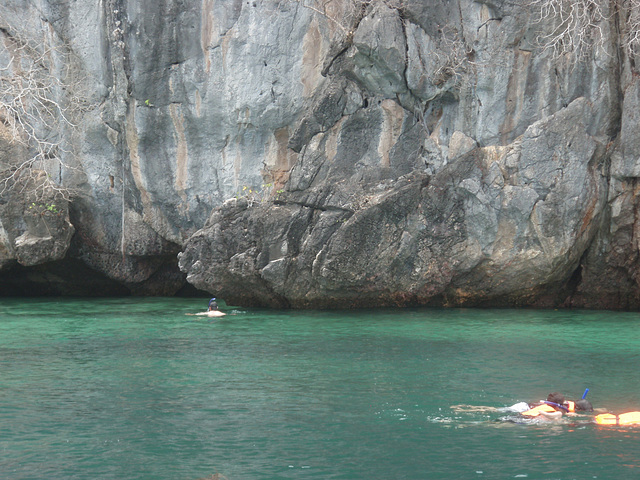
(340, 13)
(575, 26)
(38, 101)
(578, 26)
(452, 57)
(345, 14)
(630, 19)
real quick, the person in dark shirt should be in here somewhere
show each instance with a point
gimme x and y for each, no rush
(212, 310)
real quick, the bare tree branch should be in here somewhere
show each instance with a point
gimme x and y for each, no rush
(630, 18)
(452, 57)
(576, 26)
(345, 14)
(38, 101)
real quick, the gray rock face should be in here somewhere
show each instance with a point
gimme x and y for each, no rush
(343, 155)
(495, 226)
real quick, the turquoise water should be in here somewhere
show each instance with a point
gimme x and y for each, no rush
(135, 389)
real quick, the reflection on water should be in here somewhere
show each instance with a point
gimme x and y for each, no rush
(135, 389)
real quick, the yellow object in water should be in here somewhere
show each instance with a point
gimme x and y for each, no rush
(534, 412)
(629, 418)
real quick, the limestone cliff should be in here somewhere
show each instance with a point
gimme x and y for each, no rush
(336, 153)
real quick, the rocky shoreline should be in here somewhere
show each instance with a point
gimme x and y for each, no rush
(366, 154)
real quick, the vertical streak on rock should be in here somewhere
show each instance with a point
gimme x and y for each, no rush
(198, 103)
(134, 159)
(225, 47)
(182, 153)
(278, 157)
(237, 163)
(393, 115)
(206, 31)
(515, 95)
(311, 58)
(152, 215)
(223, 151)
(117, 56)
(331, 149)
(282, 157)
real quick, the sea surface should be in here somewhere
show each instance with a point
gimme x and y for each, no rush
(133, 388)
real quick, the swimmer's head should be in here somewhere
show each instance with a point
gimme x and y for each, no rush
(584, 406)
(213, 304)
(556, 397)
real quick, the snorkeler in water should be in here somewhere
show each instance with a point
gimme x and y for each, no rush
(555, 412)
(519, 407)
(558, 410)
(212, 311)
(553, 408)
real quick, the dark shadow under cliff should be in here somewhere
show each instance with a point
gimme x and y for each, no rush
(70, 277)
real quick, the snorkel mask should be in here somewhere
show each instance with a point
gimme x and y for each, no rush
(556, 405)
